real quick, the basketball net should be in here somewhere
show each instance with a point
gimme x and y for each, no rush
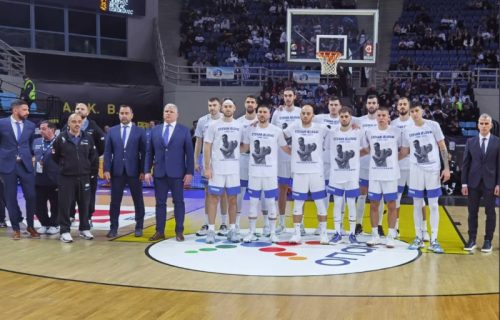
(328, 60)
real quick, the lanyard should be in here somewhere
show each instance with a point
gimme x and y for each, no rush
(44, 149)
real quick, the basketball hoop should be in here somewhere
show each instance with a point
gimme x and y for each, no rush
(328, 60)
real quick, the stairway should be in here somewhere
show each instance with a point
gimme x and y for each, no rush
(169, 24)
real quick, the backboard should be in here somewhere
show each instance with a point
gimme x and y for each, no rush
(352, 32)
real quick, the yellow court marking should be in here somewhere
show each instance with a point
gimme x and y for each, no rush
(448, 235)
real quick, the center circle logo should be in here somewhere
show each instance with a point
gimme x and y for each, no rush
(263, 258)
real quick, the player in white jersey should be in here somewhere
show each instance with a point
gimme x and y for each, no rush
(263, 141)
(307, 167)
(383, 142)
(246, 120)
(222, 167)
(403, 121)
(344, 144)
(200, 132)
(282, 118)
(366, 123)
(332, 121)
(424, 142)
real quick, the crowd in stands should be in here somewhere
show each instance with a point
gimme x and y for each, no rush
(235, 32)
(464, 32)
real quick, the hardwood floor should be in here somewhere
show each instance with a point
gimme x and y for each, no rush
(107, 280)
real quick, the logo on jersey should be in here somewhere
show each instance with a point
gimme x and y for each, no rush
(260, 153)
(228, 147)
(305, 150)
(422, 152)
(343, 157)
(380, 155)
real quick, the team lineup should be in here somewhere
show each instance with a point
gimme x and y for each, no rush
(315, 157)
(318, 156)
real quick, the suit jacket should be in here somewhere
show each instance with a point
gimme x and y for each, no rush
(476, 167)
(117, 158)
(9, 146)
(174, 160)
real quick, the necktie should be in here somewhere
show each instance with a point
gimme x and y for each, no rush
(124, 134)
(18, 126)
(166, 134)
(483, 147)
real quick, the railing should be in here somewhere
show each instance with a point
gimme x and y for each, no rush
(243, 76)
(481, 77)
(159, 62)
(12, 62)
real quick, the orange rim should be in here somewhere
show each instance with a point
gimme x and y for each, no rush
(330, 56)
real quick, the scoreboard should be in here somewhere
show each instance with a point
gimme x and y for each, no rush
(121, 7)
(126, 7)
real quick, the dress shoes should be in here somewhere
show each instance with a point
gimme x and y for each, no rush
(16, 235)
(486, 246)
(157, 236)
(179, 236)
(138, 233)
(112, 234)
(3, 224)
(471, 245)
(33, 233)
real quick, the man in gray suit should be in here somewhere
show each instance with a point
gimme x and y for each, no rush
(481, 179)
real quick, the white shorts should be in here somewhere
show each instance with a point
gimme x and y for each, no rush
(269, 185)
(364, 174)
(303, 183)
(326, 171)
(422, 180)
(285, 173)
(403, 180)
(229, 182)
(388, 188)
(244, 163)
(349, 188)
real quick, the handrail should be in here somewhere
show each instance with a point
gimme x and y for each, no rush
(12, 62)
(481, 77)
(160, 62)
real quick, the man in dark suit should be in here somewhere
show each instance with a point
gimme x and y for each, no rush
(16, 138)
(171, 151)
(124, 154)
(481, 179)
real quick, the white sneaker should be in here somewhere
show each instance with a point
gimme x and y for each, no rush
(280, 229)
(266, 231)
(85, 234)
(274, 238)
(250, 237)
(66, 237)
(324, 239)
(389, 242)
(42, 230)
(52, 230)
(427, 238)
(302, 230)
(317, 232)
(296, 238)
(375, 239)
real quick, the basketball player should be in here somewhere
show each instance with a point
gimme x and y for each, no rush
(424, 172)
(402, 122)
(263, 141)
(246, 120)
(200, 133)
(344, 144)
(282, 118)
(383, 142)
(332, 122)
(367, 122)
(307, 167)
